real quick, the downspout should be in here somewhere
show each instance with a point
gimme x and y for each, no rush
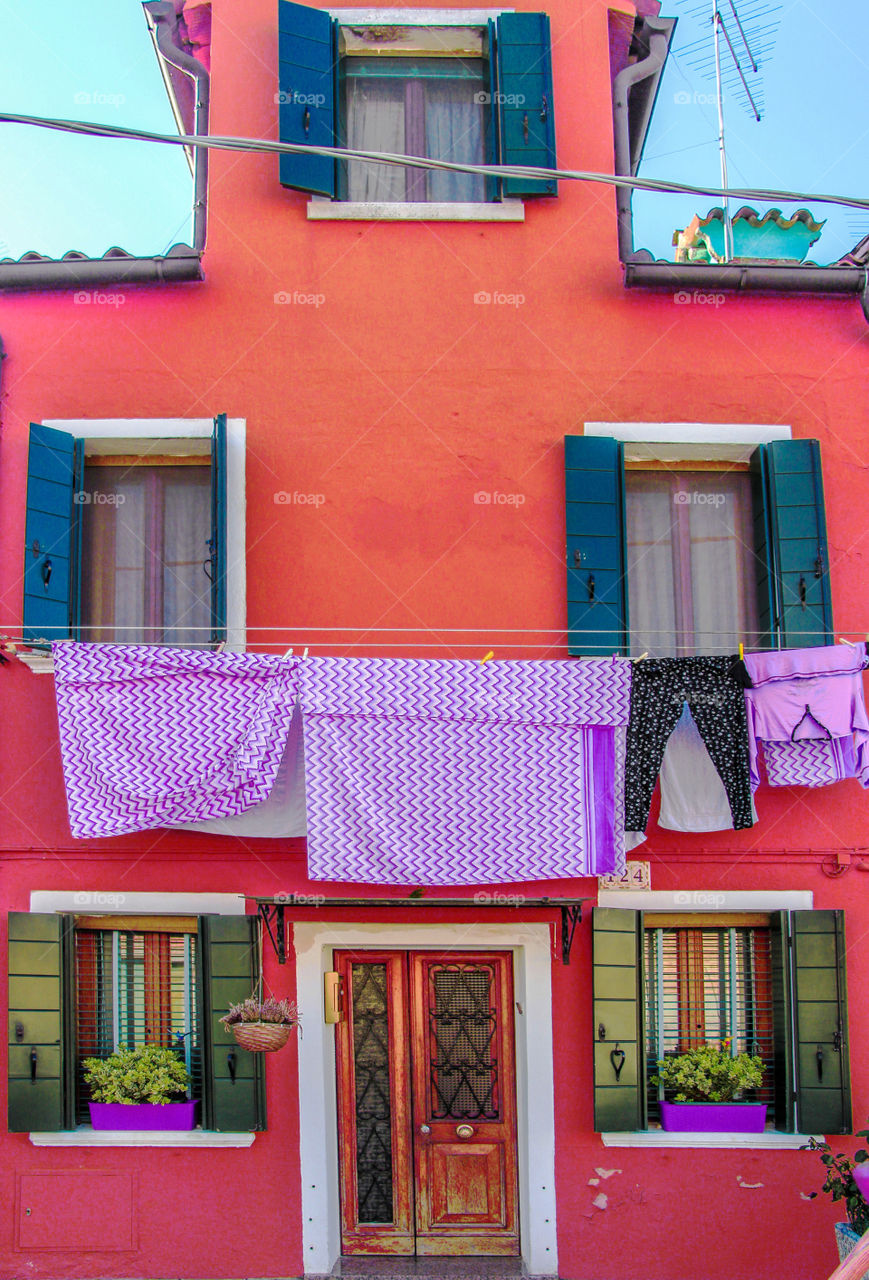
(658, 32)
(162, 20)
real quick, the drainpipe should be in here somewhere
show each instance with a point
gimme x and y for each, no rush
(162, 19)
(658, 32)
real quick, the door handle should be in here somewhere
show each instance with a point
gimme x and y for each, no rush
(464, 1131)
(425, 1128)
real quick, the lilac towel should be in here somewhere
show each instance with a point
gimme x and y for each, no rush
(153, 737)
(804, 695)
(439, 772)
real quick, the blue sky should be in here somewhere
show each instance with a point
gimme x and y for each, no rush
(91, 62)
(814, 130)
(97, 63)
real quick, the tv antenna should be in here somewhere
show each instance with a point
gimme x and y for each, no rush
(720, 29)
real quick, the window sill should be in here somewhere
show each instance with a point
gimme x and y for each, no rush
(325, 210)
(770, 1140)
(87, 1137)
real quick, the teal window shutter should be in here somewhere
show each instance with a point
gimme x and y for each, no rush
(37, 1021)
(821, 1022)
(525, 114)
(791, 545)
(306, 102)
(597, 601)
(217, 542)
(234, 1079)
(618, 1020)
(52, 533)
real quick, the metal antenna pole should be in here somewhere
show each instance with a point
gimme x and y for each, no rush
(728, 226)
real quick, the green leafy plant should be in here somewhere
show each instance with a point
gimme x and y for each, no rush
(283, 1012)
(709, 1074)
(839, 1182)
(148, 1074)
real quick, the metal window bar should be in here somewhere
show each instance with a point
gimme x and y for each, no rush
(134, 989)
(703, 986)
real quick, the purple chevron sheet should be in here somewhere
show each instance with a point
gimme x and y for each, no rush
(152, 737)
(434, 772)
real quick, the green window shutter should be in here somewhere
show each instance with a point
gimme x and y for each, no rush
(54, 469)
(782, 1021)
(597, 584)
(37, 1021)
(619, 1104)
(821, 1022)
(217, 541)
(526, 120)
(234, 1079)
(306, 110)
(791, 545)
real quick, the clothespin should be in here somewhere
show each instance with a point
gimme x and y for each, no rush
(642, 655)
(221, 646)
(288, 654)
(305, 654)
(489, 655)
(853, 643)
(741, 651)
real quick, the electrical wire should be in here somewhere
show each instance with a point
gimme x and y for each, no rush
(266, 146)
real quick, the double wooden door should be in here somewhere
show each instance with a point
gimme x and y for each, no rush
(427, 1103)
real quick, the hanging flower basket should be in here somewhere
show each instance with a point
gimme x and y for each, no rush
(261, 1026)
(261, 1037)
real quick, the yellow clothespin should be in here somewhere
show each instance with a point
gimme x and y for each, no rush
(489, 655)
(741, 651)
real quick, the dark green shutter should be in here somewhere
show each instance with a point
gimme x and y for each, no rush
(217, 541)
(54, 468)
(235, 1100)
(37, 1021)
(619, 1024)
(791, 545)
(524, 99)
(597, 585)
(306, 110)
(782, 1022)
(821, 1022)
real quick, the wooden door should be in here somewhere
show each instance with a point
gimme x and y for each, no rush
(427, 1104)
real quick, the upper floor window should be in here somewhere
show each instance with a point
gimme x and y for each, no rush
(126, 537)
(462, 87)
(414, 91)
(146, 525)
(690, 560)
(679, 561)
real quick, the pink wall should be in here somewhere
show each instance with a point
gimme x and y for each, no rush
(399, 399)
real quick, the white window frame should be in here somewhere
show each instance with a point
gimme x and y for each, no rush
(133, 429)
(706, 902)
(324, 209)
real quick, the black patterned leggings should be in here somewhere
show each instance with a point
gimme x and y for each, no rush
(659, 687)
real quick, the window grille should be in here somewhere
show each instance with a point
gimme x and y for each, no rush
(134, 989)
(708, 986)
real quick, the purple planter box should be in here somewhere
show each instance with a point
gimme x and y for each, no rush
(713, 1117)
(142, 1115)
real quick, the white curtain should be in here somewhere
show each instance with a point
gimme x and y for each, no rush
(375, 122)
(145, 532)
(186, 529)
(691, 574)
(454, 131)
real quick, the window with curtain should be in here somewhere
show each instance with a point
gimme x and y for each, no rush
(704, 986)
(145, 531)
(691, 565)
(423, 94)
(135, 987)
